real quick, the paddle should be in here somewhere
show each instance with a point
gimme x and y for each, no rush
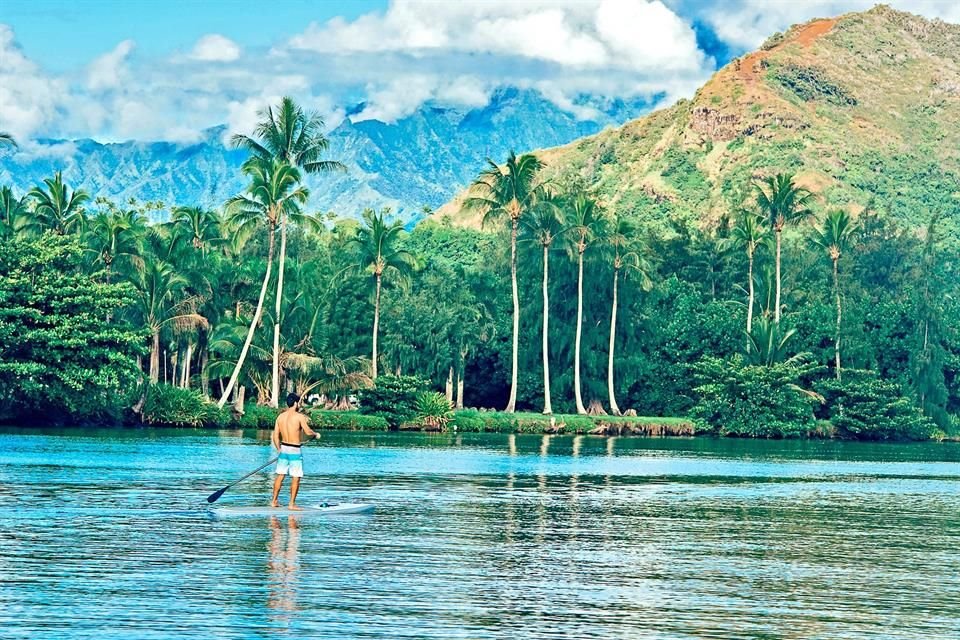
(213, 497)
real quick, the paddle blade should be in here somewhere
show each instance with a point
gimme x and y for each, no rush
(213, 497)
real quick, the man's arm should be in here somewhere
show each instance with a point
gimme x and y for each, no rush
(306, 427)
(275, 436)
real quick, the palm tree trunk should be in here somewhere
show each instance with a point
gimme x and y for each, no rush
(776, 308)
(449, 387)
(614, 409)
(463, 369)
(750, 297)
(275, 381)
(376, 323)
(155, 357)
(512, 402)
(185, 378)
(204, 375)
(836, 289)
(576, 352)
(253, 324)
(547, 408)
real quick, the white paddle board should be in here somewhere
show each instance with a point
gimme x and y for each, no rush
(327, 509)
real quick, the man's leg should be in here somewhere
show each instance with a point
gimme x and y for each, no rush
(277, 483)
(294, 487)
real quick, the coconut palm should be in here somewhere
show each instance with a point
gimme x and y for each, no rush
(295, 137)
(618, 242)
(14, 216)
(199, 226)
(835, 238)
(749, 232)
(510, 191)
(273, 193)
(586, 223)
(113, 236)
(157, 286)
(782, 202)
(56, 208)
(544, 225)
(377, 253)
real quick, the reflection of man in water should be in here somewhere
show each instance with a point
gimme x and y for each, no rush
(284, 563)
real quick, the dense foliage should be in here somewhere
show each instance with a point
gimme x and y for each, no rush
(393, 398)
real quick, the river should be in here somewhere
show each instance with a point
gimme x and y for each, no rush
(107, 534)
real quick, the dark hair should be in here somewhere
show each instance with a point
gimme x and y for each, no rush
(292, 399)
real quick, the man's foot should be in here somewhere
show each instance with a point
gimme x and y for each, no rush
(274, 504)
(294, 507)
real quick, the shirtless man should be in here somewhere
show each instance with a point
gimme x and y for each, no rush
(286, 440)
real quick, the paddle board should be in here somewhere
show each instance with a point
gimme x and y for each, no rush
(328, 509)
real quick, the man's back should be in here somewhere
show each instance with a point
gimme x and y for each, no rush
(289, 425)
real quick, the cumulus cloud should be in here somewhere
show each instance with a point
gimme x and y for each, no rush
(215, 48)
(110, 70)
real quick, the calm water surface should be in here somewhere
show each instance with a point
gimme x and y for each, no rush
(108, 535)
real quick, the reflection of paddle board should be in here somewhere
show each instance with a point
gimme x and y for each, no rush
(328, 509)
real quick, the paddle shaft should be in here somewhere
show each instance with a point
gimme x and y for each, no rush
(213, 497)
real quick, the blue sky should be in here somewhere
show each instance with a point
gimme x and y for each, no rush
(153, 69)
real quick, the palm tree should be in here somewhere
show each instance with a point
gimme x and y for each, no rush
(14, 218)
(509, 191)
(157, 285)
(835, 237)
(376, 242)
(748, 232)
(586, 222)
(201, 226)
(768, 344)
(273, 193)
(56, 208)
(114, 235)
(618, 242)
(544, 226)
(295, 137)
(782, 202)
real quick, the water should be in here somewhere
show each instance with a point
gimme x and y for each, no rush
(108, 535)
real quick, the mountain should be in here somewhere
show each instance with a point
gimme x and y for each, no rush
(420, 160)
(864, 108)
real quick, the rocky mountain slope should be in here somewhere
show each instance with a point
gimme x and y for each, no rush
(864, 108)
(420, 160)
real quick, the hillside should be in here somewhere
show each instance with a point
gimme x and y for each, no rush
(864, 105)
(420, 160)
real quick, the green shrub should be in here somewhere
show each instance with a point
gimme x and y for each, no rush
(260, 416)
(346, 421)
(811, 83)
(864, 407)
(171, 406)
(753, 400)
(394, 398)
(434, 410)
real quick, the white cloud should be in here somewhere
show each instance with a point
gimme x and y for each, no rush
(215, 48)
(110, 70)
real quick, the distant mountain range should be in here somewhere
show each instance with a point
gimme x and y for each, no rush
(419, 161)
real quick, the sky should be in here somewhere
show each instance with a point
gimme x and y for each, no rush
(167, 70)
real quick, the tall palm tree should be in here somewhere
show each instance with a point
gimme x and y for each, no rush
(544, 225)
(56, 208)
(782, 202)
(113, 236)
(295, 137)
(835, 238)
(14, 218)
(273, 193)
(376, 244)
(618, 241)
(749, 232)
(586, 223)
(157, 285)
(509, 191)
(199, 226)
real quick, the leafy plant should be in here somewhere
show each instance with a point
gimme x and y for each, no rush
(394, 398)
(864, 407)
(171, 406)
(434, 411)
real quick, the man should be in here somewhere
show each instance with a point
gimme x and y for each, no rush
(286, 440)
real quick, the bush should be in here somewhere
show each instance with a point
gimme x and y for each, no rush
(753, 400)
(346, 421)
(393, 398)
(864, 407)
(434, 410)
(257, 416)
(171, 406)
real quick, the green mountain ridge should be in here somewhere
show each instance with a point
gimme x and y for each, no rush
(864, 109)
